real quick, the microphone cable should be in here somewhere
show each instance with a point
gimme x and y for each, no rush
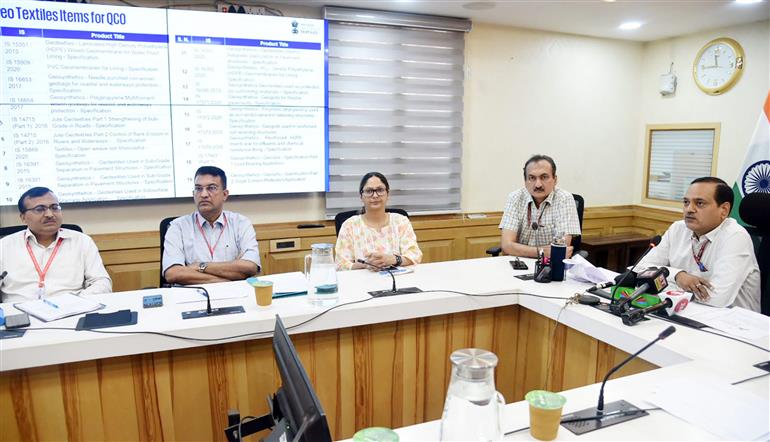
(270, 332)
(713, 333)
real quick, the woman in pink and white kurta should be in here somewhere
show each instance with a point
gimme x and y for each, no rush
(377, 237)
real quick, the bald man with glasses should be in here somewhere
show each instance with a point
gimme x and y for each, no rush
(45, 260)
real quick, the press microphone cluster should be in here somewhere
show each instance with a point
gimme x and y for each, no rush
(671, 301)
(628, 278)
(393, 290)
(651, 281)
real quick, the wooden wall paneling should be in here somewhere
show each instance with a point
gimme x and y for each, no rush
(116, 391)
(505, 344)
(344, 424)
(579, 366)
(533, 353)
(43, 385)
(10, 426)
(285, 262)
(263, 380)
(437, 366)
(438, 250)
(82, 401)
(190, 400)
(477, 247)
(151, 383)
(327, 379)
(362, 356)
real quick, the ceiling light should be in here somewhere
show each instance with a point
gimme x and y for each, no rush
(609, 1)
(630, 25)
(747, 2)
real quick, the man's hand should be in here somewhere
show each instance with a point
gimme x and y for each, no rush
(380, 260)
(696, 285)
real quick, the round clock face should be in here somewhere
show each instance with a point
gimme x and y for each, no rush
(718, 66)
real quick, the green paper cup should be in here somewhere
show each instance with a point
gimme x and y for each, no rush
(375, 434)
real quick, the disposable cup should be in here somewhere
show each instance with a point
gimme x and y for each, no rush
(544, 413)
(263, 291)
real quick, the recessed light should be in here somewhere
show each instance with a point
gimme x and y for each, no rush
(747, 2)
(630, 25)
(608, 1)
(479, 6)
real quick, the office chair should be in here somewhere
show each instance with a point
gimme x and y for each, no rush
(163, 229)
(5, 231)
(753, 211)
(576, 240)
(341, 217)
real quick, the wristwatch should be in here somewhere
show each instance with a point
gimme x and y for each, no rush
(202, 267)
(399, 260)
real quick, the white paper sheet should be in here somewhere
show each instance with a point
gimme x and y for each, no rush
(579, 269)
(294, 282)
(718, 407)
(735, 321)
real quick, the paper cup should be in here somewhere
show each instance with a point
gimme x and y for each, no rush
(263, 291)
(544, 413)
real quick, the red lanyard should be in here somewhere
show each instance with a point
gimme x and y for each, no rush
(697, 257)
(41, 273)
(211, 249)
(529, 217)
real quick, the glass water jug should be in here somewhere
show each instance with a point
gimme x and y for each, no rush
(321, 275)
(473, 408)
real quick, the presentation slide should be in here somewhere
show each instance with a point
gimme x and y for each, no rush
(108, 103)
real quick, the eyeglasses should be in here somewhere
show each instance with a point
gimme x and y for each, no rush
(380, 191)
(544, 178)
(211, 188)
(41, 209)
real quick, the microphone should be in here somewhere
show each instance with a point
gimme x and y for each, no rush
(672, 301)
(651, 281)
(627, 278)
(208, 311)
(615, 412)
(393, 290)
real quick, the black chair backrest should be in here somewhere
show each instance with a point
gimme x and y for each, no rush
(163, 229)
(753, 210)
(341, 217)
(5, 231)
(580, 205)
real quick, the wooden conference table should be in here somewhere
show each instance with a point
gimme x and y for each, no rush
(377, 362)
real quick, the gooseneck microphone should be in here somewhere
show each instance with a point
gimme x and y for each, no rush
(393, 291)
(208, 311)
(663, 335)
(615, 412)
(627, 278)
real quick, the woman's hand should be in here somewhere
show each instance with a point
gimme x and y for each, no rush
(380, 260)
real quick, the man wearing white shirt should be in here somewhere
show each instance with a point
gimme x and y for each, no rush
(708, 253)
(45, 260)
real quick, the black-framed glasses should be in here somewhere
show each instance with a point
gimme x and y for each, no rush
(41, 209)
(380, 191)
(211, 188)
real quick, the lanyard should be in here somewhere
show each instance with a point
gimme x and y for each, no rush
(536, 225)
(41, 273)
(699, 255)
(211, 249)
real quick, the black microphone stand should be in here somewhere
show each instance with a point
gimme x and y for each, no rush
(209, 311)
(393, 291)
(591, 419)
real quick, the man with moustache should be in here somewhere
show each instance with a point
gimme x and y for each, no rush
(537, 212)
(45, 260)
(708, 253)
(211, 244)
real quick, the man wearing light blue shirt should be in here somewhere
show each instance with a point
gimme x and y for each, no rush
(211, 244)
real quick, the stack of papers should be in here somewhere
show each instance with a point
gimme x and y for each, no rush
(735, 321)
(58, 307)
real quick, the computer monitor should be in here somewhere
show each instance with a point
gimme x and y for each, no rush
(296, 413)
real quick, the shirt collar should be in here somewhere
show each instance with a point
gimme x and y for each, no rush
(712, 235)
(548, 199)
(202, 221)
(62, 233)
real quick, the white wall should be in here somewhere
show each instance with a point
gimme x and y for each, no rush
(737, 110)
(570, 97)
(582, 100)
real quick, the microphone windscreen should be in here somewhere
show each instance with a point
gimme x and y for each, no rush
(753, 210)
(656, 240)
(667, 332)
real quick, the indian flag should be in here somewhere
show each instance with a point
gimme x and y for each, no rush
(755, 174)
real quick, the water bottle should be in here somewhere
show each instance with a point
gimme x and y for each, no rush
(473, 408)
(321, 275)
(558, 254)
